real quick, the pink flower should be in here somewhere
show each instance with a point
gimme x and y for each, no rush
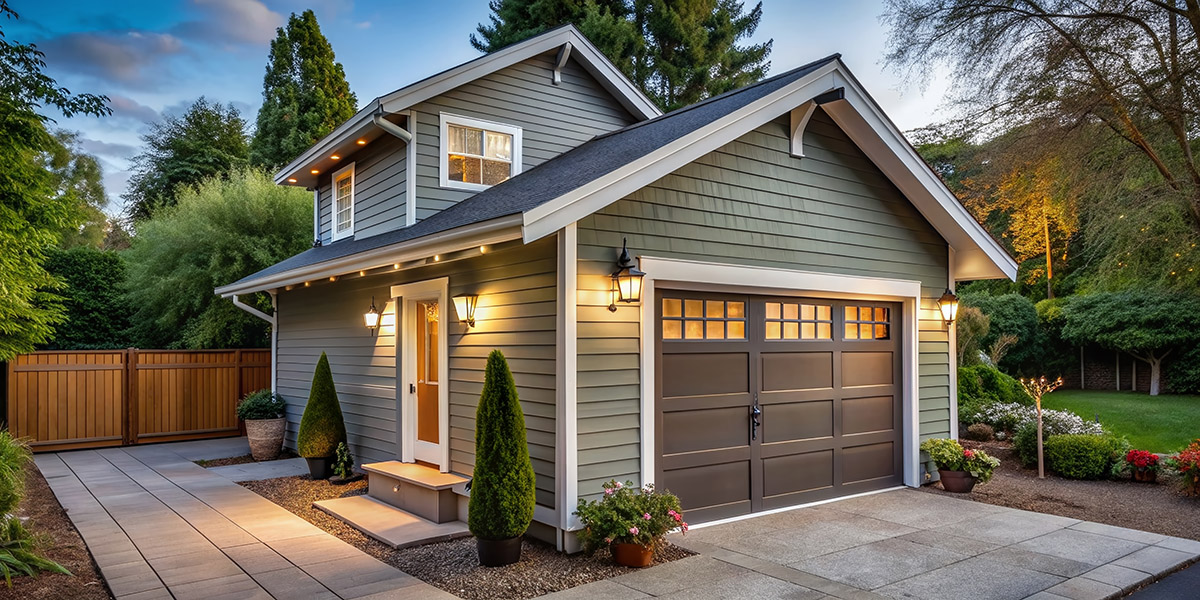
(633, 530)
(646, 516)
(608, 491)
(685, 527)
(618, 485)
(607, 540)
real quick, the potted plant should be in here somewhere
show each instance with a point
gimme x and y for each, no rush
(265, 424)
(343, 466)
(960, 469)
(502, 492)
(1143, 464)
(321, 427)
(630, 521)
(1187, 465)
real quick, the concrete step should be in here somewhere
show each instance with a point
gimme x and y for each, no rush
(388, 524)
(423, 491)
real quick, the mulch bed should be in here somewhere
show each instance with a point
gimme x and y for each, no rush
(238, 460)
(453, 566)
(1160, 508)
(59, 542)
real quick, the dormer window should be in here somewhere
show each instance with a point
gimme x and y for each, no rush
(343, 202)
(476, 155)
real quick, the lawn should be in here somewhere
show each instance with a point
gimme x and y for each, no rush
(1159, 424)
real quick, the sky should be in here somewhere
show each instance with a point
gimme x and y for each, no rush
(155, 57)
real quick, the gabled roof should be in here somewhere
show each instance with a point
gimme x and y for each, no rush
(358, 126)
(609, 167)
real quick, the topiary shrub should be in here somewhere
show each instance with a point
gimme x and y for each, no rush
(980, 432)
(1082, 456)
(321, 427)
(502, 492)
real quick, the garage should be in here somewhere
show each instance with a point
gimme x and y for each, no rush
(764, 402)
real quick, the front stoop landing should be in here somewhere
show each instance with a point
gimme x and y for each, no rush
(390, 525)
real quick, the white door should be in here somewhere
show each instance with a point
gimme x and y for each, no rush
(426, 381)
(424, 398)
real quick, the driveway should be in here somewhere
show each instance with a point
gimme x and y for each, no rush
(906, 544)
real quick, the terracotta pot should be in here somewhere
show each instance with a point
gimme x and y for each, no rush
(959, 482)
(266, 437)
(498, 553)
(320, 467)
(632, 555)
(1145, 476)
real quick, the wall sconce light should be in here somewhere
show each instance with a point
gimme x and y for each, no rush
(948, 304)
(626, 280)
(465, 305)
(371, 317)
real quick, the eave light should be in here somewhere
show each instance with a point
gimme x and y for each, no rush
(626, 280)
(948, 304)
(465, 305)
(315, 171)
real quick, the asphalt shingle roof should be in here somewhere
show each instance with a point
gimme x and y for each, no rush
(562, 174)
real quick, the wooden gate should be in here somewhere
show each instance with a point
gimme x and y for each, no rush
(64, 400)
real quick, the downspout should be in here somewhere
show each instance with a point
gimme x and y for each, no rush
(269, 319)
(391, 127)
(316, 217)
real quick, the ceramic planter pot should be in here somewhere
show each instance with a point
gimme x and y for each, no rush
(1145, 476)
(632, 555)
(499, 553)
(959, 482)
(266, 437)
(320, 467)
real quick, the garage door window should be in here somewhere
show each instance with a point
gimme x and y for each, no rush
(868, 323)
(799, 321)
(699, 319)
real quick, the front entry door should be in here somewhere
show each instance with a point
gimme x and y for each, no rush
(426, 334)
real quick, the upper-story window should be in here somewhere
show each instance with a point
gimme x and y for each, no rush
(343, 202)
(478, 154)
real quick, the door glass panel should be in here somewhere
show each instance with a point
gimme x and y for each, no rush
(694, 330)
(868, 323)
(773, 310)
(427, 371)
(696, 319)
(798, 321)
(693, 309)
(672, 330)
(791, 330)
(773, 330)
(672, 307)
(736, 330)
(715, 330)
(714, 309)
(737, 310)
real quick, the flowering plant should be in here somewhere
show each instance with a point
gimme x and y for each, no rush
(627, 514)
(1187, 465)
(1142, 460)
(951, 456)
(1010, 416)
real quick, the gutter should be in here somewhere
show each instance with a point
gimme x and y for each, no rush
(391, 127)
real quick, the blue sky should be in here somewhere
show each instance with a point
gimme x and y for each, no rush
(155, 57)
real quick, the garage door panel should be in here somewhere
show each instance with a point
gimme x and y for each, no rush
(783, 422)
(798, 473)
(873, 461)
(867, 368)
(797, 371)
(742, 399)
(694, 430)
(864, 415)
(711, 484)
(705, 374)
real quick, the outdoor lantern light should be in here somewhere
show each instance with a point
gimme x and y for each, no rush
(464, 305)
(948, 304)
(626, 280)
(371, 317)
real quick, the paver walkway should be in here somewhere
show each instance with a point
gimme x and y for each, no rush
(160, 526)
(905, 544)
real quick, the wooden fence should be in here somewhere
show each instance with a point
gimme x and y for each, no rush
(63, 400)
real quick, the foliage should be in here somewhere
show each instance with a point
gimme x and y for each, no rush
(502, 489)
(97, 315)
(261, 404)
(17, 555)
(1054, 422)
(1141, 460)
(980, 386)
(1187, 465)
(949, 455)
(1014, 417)
(14, 456)
(1000, 347)
(220, 231)
(321, 427)
(207, 141)
(970, 327)
(305, 93)
(627, 514)
(1059, 356)
(77, 175)
(32, 214)
(678, 53)
(980, 432)
(1183, 371)
(1009, 314)
(343, 462)
(1082, 456)
(1146, 324)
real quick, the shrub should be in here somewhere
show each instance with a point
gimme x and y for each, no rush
(980, 432)
(321, 427)
(1183, 371)
(1082, 456)
(14, 456)
(1011, 314)
(1187, 465)
(626, 516)
(261, 404)
(1013, 417)
(981, 385)
(950, 455)
(343, 464)
(502, 489)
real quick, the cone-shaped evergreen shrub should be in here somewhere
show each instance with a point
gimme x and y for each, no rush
(321, 427)
(502, 489)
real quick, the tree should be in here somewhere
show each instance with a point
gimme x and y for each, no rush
(970, 328)
(1148, 325)
(322, 428)
(677, 51)
(305, 94)
(97, 315)
(1009, 314)
(220, 231)
(77, 175)
(502, 489)
(208, 140)
(32, 215)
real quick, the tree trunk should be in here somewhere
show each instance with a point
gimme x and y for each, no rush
(1155, 375)
(1046, 231)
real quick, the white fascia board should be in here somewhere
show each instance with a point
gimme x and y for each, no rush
(353, 127)
(494, 231)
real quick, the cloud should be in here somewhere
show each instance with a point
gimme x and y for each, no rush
(363, 25)
(232, 21)
(128, 108)
(121, 56)
(111, 149)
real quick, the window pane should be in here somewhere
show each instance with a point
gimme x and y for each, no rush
(808, 331)
(825, 313)
(851, 313)
(472, 170)
(791, 311)
(824, 331)
(772, 310)
(672, 307)
(693, 330)
(495, 171)
(714, 309)
(864, 331)
(693, 308)
(737, 330)
(881, 332)
(456, 139)
(881, 314)
(737, 310)
(772, 330)
(791, 330)
(473, 141)
(672, 330)
(715, 330)
(851, 331)
(454, 165)
(498, 145)
(808, 312)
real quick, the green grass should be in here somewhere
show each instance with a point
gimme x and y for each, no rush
(1158, 424)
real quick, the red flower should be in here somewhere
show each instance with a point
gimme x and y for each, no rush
(968, 454)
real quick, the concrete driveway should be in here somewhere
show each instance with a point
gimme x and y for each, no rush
(906, 544)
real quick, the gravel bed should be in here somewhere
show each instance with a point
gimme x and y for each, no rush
(208, 463)
(1159, 508)
(453, 566)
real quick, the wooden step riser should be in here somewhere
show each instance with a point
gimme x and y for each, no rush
(439, 506)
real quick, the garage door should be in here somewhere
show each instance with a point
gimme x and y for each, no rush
(766, 401)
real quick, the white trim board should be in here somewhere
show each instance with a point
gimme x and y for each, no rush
(334, 234)
(403, 296)
(684, 274)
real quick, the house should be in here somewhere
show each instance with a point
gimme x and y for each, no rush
(787, 345)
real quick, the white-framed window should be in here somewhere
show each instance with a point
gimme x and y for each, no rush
(476, 154)
(343, 202)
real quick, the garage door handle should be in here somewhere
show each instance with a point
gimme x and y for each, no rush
(755, 413)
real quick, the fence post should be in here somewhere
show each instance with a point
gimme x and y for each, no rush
(129, 423)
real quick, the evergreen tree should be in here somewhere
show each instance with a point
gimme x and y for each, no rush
(322, 427)
(502, 489)
(77, 175)
(208, 140)
(305, 94)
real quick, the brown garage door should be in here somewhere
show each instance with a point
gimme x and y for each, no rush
(764, 401)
